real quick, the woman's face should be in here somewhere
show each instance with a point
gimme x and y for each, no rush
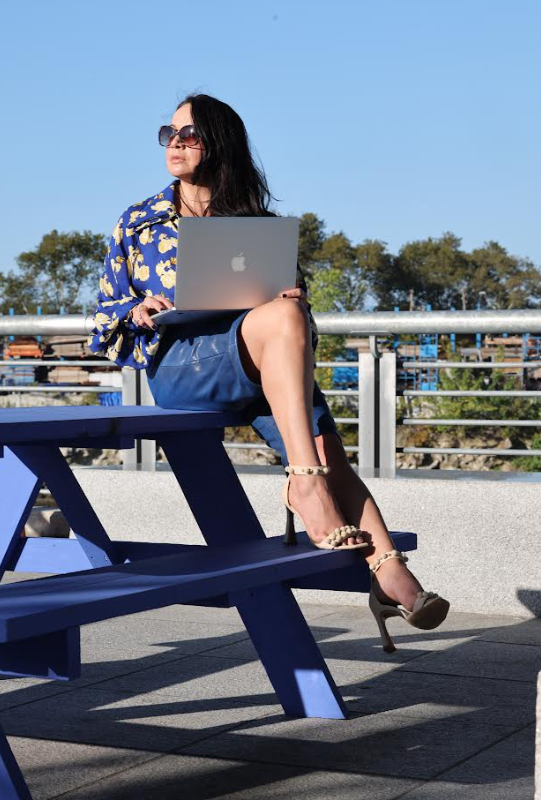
(182, 160)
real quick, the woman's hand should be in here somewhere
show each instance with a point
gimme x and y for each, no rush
(142, 313)
(295, 294)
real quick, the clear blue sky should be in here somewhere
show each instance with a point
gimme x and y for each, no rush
(395, 119)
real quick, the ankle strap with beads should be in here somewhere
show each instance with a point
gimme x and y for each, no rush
(317, 470)
(390, 554)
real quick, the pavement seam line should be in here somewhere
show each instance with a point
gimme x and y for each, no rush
(469, 758)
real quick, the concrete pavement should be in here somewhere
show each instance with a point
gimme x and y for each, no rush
(174, 703)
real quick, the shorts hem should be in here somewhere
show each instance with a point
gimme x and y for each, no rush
(235, 358)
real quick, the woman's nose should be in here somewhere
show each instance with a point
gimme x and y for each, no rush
(176, 141)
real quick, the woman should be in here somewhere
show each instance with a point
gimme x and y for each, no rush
(261, 360)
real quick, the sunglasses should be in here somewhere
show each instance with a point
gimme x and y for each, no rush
(187, 135)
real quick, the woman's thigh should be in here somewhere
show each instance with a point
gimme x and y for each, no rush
(263, 322)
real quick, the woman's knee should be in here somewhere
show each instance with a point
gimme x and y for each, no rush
(286, 318)
(291, 319)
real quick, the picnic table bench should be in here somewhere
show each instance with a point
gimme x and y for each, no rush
(99, 578)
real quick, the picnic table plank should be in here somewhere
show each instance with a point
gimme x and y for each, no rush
(64, 555)
(38, 606)
(60, 423)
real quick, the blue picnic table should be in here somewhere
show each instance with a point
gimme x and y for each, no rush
(96, 577)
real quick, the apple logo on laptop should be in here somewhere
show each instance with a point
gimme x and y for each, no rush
(238, 263)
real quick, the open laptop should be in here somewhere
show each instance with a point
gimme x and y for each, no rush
(228, 263)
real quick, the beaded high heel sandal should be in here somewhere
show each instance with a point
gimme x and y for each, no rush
(429, 609)
(336, 538)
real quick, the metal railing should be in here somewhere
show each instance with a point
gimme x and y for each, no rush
(376, 393)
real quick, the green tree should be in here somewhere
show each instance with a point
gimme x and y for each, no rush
(61, 272)
(338, 254)
(506, 281)
(377, 266)
(319, 253)
(311, 237)
(440, 273)
(336, 283)
(434, 270)
(325, 293)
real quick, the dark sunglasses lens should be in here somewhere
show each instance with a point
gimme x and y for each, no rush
(165, 134)
(188, 136)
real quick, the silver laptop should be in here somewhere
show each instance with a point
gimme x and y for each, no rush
(228, 263)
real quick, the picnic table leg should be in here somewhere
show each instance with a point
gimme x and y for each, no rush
(19, 487)
(49, 464)
(211, 487)
(12, 783)
(271, 614)
(289, 653)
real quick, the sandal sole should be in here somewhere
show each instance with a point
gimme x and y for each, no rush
(431, 615)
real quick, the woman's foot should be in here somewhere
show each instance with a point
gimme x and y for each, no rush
(394, 583)
(311, 497)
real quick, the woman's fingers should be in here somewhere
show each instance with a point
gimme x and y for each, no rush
(166, 303)
(150, 305)
(157, 302)
(144, 319)
(294, 293)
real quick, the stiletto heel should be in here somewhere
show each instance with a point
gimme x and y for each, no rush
(335, 540)
(429, 609)
(290, 537)
(388, 644)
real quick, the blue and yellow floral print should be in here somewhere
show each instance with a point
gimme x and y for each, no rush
(141, 261)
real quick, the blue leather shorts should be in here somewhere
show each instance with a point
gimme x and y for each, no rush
(198, 367)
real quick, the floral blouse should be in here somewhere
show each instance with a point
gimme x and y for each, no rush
(141, 261)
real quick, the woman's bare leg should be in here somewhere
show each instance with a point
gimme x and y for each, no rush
(395, 582)
(275, 349)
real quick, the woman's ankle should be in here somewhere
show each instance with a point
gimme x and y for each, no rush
(397, 584)
(306, 484)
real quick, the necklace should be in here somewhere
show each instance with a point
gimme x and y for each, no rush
(179, 201)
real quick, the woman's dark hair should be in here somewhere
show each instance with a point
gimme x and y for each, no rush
(238, 188)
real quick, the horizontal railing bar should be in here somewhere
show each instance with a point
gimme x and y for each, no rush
(467, 393)
(352, 323)
(337, 364)
(59, 389)
(35, 362)
(45, 324)
(469, 451)
(467, 364)
(248, 446)
(476, 423)
(347, 420)
(347, 392)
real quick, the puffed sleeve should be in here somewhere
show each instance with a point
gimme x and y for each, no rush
(114, 335)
